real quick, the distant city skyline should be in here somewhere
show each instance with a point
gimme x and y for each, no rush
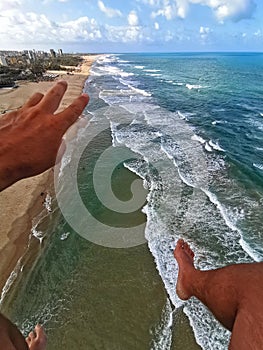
(132, 25)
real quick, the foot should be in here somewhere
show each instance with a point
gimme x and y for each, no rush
(185, 259)
(37, 340)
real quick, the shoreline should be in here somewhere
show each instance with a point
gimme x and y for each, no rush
(23, 201)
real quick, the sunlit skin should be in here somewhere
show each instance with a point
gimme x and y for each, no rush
(233, 293)
(30, 138)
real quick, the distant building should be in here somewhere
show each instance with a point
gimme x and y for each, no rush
(60, 53)
(52, 53)
(32, 55)
(3, 61)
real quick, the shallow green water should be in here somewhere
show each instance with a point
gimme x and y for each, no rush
(92, 297)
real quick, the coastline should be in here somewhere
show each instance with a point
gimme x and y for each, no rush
(23, 201)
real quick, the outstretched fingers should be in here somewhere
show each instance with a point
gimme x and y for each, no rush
(72, 112)
(34, 100)
(53, 97)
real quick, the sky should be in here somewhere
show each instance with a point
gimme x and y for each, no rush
(132, 25)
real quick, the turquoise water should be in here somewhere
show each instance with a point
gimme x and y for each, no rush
(192, 125)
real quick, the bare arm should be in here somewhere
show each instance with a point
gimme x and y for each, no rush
(31, 136)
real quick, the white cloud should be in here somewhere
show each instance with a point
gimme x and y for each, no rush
(9, 4)
(31, 28)
(204, 30)
(204, 33)
(133, 19)
(156, 25)
(152, 2)
(168, 10)
(127, 34)
(109, 11)
(223, 9)
(258, 33)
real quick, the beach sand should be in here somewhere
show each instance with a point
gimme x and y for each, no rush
(23, 201)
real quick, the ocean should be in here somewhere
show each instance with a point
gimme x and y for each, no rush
(170, 146)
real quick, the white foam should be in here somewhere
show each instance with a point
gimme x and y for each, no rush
(190, 86)
(216, 146)
(11, 280)
(218, 110)
(139, 67)
(37, 234)
(152, 70)
(182, 115)
(185, 115)
(258, 166)
(64, 236)
(163, 333)
(48, 202)
(261, 114)
(252, 252)
(212, 197)
(110, 70)
(208, 148)
(141, 91)
(134, 89)
(122, 61)
(155, 74)
(198, 138)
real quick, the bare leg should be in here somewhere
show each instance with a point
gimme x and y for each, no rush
(12, 339)
(234, 294)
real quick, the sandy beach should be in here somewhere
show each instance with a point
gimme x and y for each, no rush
(23, 201)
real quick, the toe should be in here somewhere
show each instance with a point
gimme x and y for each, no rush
(31, 335)
(41, 335)
(28, 340)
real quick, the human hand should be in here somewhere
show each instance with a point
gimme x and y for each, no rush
(30, 137)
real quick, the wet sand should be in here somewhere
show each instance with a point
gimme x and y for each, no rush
(23, 201)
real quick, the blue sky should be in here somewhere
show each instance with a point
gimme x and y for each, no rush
(132, 25)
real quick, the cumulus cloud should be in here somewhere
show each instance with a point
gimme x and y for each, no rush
(223, 9)
(109, 11)
(127, 34)
(133, 19)
(31, 28)
(168, 10)
(9, 4)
